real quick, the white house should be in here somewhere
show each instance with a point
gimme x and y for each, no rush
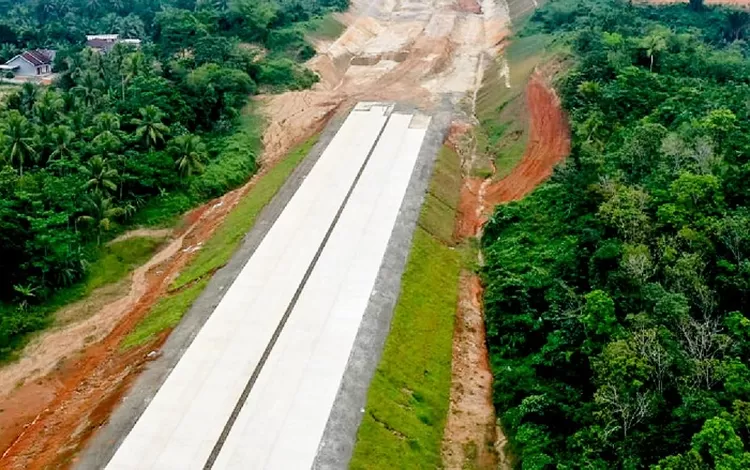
(105, 42)
(33, 63)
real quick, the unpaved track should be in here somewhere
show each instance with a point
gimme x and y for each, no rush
(469, 435)
(69, 378)
(414, 52)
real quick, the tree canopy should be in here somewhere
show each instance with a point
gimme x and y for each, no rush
(128, 135)
(617, 303)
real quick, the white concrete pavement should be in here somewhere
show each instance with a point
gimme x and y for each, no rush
(246, 396)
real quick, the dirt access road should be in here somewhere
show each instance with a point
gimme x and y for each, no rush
(69, 377)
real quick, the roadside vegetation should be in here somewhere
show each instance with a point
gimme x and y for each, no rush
(135, 136)
(114, 262)
(216, 252)
(617, 293)
(408, 398)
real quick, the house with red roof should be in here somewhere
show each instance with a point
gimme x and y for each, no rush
(32, 63)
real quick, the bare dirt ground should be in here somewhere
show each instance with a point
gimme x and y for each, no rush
(70, 377)
(470, 432)
(416, 52)
(549, 143)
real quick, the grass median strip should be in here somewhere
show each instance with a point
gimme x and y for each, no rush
(408, 399)
(216, 252)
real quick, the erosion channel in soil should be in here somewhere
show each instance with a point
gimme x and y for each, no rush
(69, 378)
(472, 438)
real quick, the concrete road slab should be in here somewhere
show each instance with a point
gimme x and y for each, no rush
(256, 386)
(181, 425)
(287, 410)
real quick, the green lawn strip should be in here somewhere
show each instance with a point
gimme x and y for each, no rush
(165, 314)
(217, 251)
(114, 262)
(439, 209)
(408, 399)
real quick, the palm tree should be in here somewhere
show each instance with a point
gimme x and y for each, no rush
(19, 138)
(150, 128)
(107, 122)
(116, 4)
(88, 88)
(107, 125)
(133, 65)
(654, 44)
(100, 212)
(59, 140)
(76, 65)
(92, 7)
(188, 152)
(61, 7)
(47, 110)
(108, 143)
(78, 120)
(27, 97)
(100, 175)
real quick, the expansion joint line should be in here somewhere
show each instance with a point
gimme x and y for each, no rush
(279, 328)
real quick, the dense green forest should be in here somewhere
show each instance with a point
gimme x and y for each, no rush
(133, 135)
(617, 294)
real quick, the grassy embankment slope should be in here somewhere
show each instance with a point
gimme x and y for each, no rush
(408, 398)
(502, 134)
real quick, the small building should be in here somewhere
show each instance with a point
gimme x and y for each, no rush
(104, 43)
(33, 63)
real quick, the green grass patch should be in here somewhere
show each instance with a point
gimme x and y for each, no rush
(408, 399)
(439, 209)
(325, 27)
(6, 89)
(216, 252)
(119, 259)
(113, 264)
(164, 315)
